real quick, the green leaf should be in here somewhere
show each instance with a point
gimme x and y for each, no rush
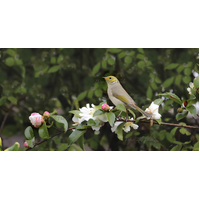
(141, 64)
(111, 118)
(192, 110)
(49, 125)
(121, 107)
(104, 64)
(128, 60)
(111, 61)
(180, 68)
(10, 61)
(98, 112)
(119, 131)
(154, 86)
(96, 68)
(196, 82)
(172, 66)
(169, 137)
(29, 133)
(140, 56)
(131, 113)
(177, 147)
(31, 142)
(186, 79)
(159, 120)
(62, 120)
(158, 101)
(114, 50)
(90, 93)
(75, 112)
(12, 100)
(187, 142)
(157, 80)
(162, 134)
(180, 116)
(54, 112)
(178, 80)
(91, 122)
(168, 82)
(82, 127)
(53, 60)
(98, 93)
(132, 53)
(15, 147)
(196, 146)
(184, 131)
(187, 71)
(75, 135)
(149, 93)
(82, 95)
(140, 50)
(81, 142)
(74, 147)
(63, 146)
(172, 96)
(53, 69)
(43, 132)
(60, 58)
(10, 52)
(2, 100)
(173, 131)
(121, 55)
(189, 64)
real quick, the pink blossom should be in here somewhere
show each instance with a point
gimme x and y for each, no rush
(36, 119)
(105, 107)
(26, 145)
(46, 114)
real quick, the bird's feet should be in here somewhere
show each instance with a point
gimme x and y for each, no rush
(118, 116)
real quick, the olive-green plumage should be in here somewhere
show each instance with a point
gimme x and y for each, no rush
(118, 95)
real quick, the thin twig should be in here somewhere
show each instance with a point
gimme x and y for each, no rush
(49, 138)
(9, 109)
(162, 123)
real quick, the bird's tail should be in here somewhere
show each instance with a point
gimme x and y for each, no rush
(146, 114)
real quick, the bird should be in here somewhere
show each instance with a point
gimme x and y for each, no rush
(118, 95)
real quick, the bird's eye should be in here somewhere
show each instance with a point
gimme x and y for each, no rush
(110, 78)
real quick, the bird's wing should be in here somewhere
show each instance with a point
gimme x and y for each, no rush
(123, 96)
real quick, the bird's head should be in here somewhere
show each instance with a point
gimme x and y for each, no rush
(111, 79)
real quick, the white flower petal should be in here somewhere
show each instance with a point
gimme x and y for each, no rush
(134, 126)
(127, 129)
(96, 128)
(102, 118)
(116, 124)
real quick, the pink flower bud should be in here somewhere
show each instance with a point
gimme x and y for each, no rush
(105, 107)
(46, 114)
(36, 119)
(26, 145)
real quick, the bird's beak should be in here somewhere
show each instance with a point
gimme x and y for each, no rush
(104, 77)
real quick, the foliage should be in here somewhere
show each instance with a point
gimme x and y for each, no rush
(67, 79)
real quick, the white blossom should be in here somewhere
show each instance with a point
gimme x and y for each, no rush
(127, 126)
(153, 109)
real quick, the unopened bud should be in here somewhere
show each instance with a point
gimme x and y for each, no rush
(46, 114)
(26, 145)
(180, 110)
(185, 103)
(105, 107)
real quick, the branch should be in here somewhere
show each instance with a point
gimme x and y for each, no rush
(9, 109)
(162, 123)
(49, 138)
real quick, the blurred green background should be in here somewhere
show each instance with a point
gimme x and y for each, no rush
(66, 79)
